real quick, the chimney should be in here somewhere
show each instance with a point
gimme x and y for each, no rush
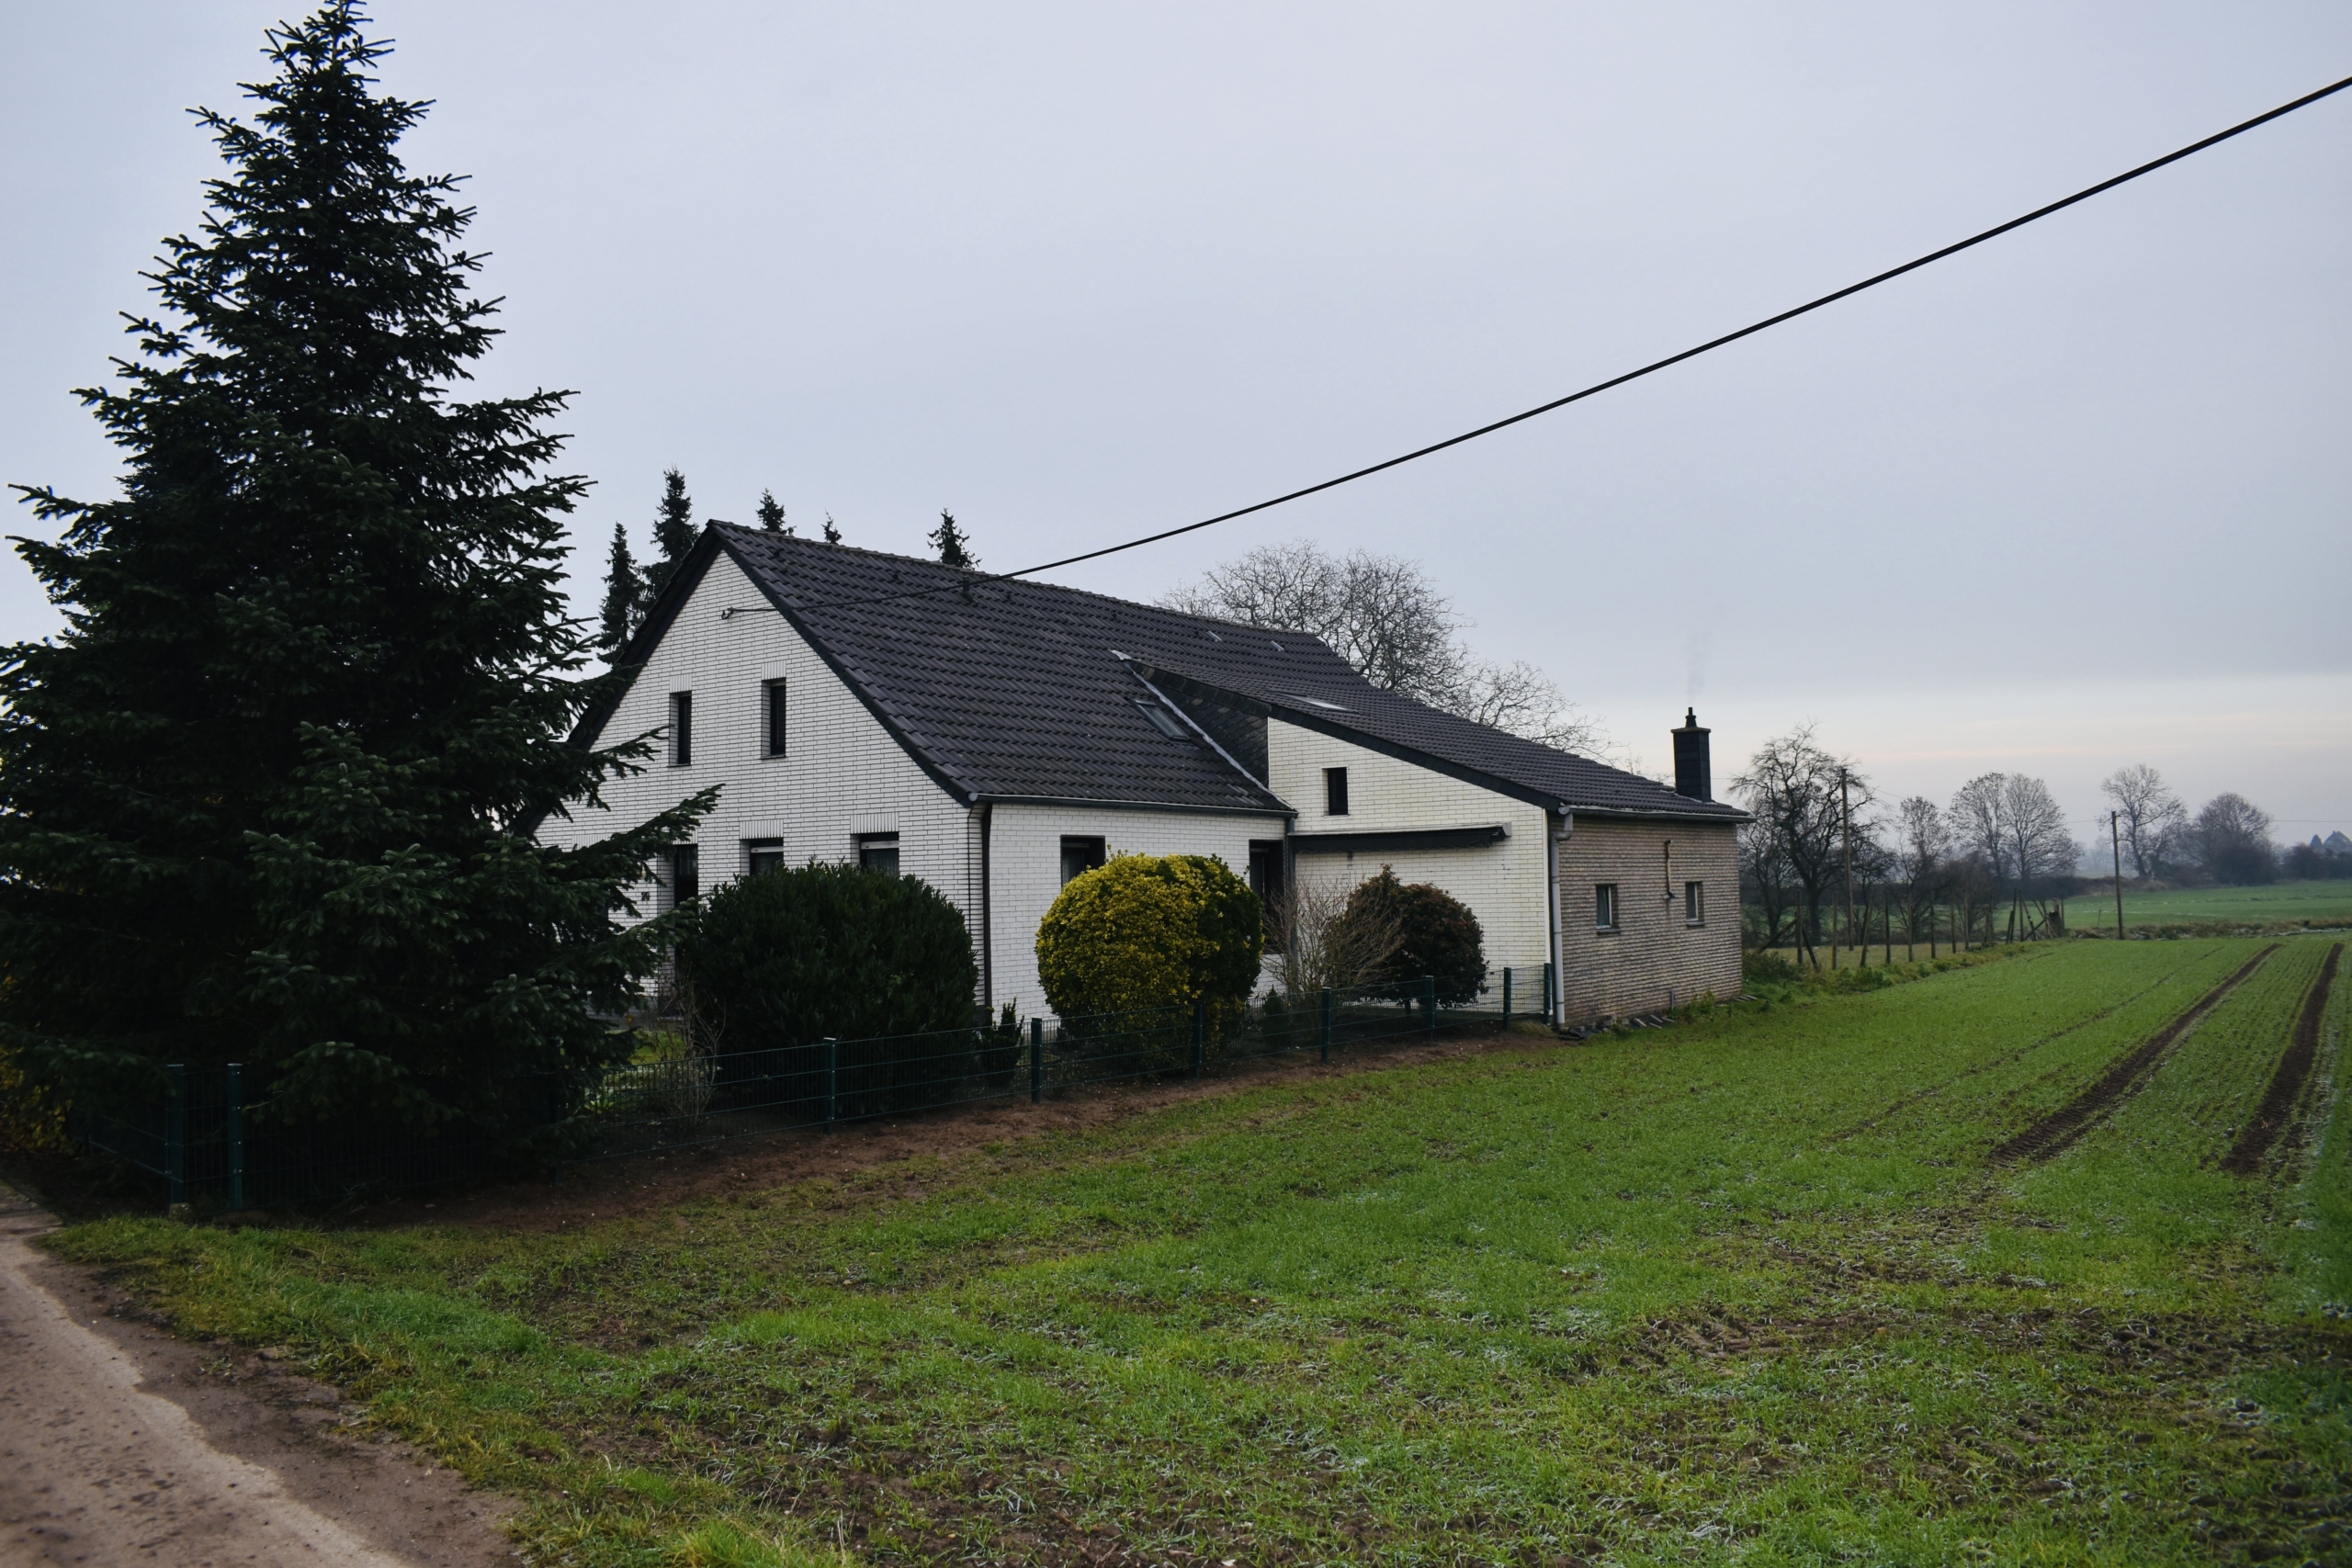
(1690, 772)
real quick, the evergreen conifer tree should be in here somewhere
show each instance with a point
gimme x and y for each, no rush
(833, 535)
(771, 513)
(623, 595)
(673, 533)
(952, 543)
(268, 797)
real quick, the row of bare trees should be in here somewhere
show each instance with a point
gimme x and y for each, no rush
(1823, 861)
(2227, 839)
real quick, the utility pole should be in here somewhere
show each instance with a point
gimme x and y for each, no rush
(2115, 832)
(1846, 843)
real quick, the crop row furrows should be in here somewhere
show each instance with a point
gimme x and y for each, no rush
(2287, 1081)
(2057, 1132)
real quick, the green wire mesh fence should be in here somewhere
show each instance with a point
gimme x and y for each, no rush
(212, 1142)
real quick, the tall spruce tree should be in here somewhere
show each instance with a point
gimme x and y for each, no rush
(266, 798)
(770, 513)
(953, 544)
(623, 592)
(673, 533)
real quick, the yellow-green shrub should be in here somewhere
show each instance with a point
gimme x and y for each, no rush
(1152, 931)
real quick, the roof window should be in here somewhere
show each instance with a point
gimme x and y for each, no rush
(1167, 722)
(1313, 702)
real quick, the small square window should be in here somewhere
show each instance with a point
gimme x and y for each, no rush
(682, 728)
(685, 875)
(1694, 903)
(1335, 792)
(764, 855)
(1079, 857)
(878, 852)
(772, 705)
(1604, 906)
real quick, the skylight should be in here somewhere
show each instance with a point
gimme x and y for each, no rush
(1315, 702)
(1167, 722)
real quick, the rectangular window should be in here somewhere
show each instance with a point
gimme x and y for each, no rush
(685, 875)
(764, 855)
(1604, 906)
(1335, 792)
(772, 693)
(1079, 857)
(1694, 903)
(1267, 863)
(682, 728)
(878, 852)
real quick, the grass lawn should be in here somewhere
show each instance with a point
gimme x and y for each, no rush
(1745, 1291)
(2281, 903)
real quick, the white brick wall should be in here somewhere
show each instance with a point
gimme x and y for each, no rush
(841, 774)
(1503, 883)
(1025, 860)
(1654, 959)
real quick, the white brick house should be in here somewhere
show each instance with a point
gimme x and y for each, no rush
(992, 738)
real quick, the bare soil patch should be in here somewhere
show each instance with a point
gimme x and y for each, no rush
(2057, 1132)
(2278, 1106)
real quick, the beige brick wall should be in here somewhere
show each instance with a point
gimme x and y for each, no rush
(1502, 883)
(1655, 958)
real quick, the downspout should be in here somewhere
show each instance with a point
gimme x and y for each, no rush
(1551, 842)
(988, 927)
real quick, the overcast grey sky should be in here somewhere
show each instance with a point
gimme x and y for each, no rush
(2075, 499)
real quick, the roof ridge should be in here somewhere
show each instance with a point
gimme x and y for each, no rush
(977, 578)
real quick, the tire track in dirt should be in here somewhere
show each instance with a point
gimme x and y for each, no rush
(2003, 1060)
(2056, 1133)
(2294, 1070)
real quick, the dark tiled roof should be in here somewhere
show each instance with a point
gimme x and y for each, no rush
(1017, 690)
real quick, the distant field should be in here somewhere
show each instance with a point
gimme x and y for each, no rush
(1916, 1275)
(2324, 902)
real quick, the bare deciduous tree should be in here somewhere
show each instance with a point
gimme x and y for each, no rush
(2153, 820)
(1386, 618)
(1980, 820)
(1791, 786)
(2231, 836)
(1324, 942)
(1924, 841)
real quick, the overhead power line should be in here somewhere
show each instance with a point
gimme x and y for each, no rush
(1599, 386)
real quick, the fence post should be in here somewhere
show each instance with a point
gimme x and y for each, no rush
(833, 1080)
(1428, 1000)
(1200, 1029)
(175, 1139)
(1324, 1032)
(1036, 1060)
(236, 1137)
(1505, 996)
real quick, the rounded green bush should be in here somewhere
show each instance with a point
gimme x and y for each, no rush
(1437, 936)
(1152, 931)
(790, 956)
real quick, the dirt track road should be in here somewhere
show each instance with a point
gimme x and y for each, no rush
(119, 1444)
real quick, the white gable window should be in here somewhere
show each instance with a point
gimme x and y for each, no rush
(772, 711)
(1335, 792)
(878, 852)
(682, 728)
(1694, 903)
